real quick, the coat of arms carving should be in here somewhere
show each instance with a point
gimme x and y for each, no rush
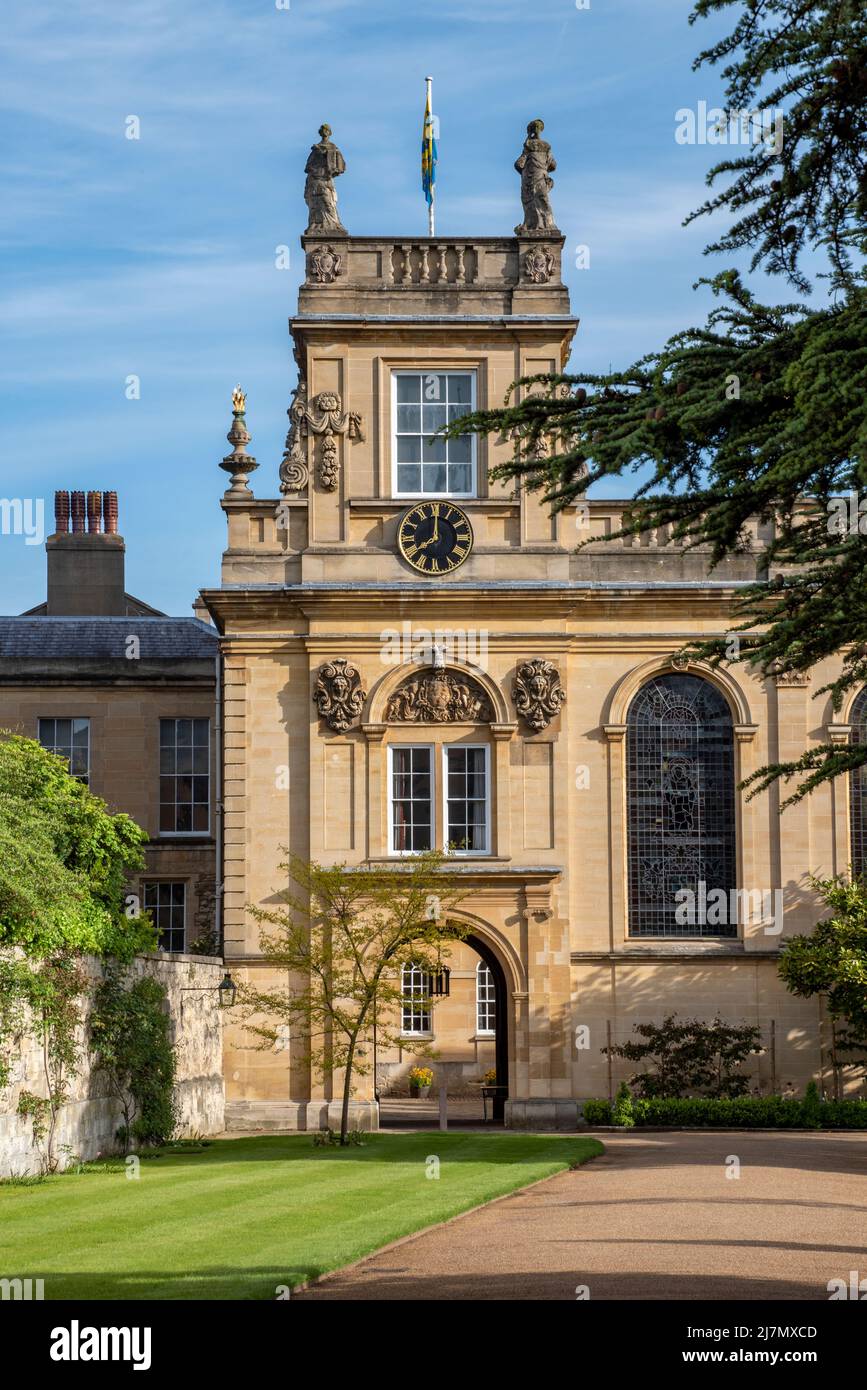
(338, 693)
(539, 265)
(537, 692)
(443, 697)
(325, 264)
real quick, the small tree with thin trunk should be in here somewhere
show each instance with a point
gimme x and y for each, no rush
(342, 936)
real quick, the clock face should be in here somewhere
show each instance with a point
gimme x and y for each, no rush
(435, 537)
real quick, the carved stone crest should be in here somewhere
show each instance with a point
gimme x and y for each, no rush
(325, 264)
(538, 265)
(338, 693)
(537, 692)
(443, 697)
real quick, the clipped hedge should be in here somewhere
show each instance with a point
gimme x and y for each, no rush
(742, 1112)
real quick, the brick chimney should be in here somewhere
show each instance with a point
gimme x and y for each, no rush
(85, 566)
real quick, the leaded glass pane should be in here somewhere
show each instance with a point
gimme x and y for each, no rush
(681, 807)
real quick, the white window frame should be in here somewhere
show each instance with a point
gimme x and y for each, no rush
(422, 1017)
(408, 853)
(82, 718)
(466, 853)
(183, 834)
(484, 1031)
(456, 370)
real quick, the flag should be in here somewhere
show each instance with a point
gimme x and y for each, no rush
(428, 153)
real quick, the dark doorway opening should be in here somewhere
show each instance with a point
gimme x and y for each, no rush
(501, 1014)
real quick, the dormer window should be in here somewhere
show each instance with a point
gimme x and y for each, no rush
(423, 465)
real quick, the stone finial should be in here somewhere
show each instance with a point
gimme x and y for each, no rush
(535, 164)
(239, 463)
(324, 164)
(537, 692)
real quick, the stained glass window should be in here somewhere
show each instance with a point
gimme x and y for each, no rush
(681, 808)
(858, 789)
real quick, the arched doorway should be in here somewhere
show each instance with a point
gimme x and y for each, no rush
(469, 1032)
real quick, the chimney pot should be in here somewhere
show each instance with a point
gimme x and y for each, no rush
(61, 511)
(109, 513)
(77, 512)
(94, 509)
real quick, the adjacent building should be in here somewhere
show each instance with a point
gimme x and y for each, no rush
(128, 696)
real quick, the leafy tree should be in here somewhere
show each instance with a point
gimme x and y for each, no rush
(131, 1046)
(342, 937)
(832, 962)
(759, 413)
(689, 1055)
(64, 861)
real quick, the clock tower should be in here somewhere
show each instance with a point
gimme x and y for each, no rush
(415, 656)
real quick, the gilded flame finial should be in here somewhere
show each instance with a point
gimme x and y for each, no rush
(239, 401)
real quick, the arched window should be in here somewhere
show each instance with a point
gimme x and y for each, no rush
(680, 809)
(416, 1014)
(486, 1000)
(858, 790)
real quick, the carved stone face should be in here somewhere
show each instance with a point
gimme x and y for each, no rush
(340, 687)
(535, 128)
(538, 686)
(439, 694)
(325, 132)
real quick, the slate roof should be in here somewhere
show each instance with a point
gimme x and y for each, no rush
(85, 639)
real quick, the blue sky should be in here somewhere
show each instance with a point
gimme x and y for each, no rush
(156, 256)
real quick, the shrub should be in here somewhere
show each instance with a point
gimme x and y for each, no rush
(690, 1055)
(622, 1112)
(736, 1112)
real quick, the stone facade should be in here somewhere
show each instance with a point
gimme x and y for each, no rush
(567, 637)
(90, 1118)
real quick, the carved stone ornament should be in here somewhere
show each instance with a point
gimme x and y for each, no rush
(338, 693)
(324, 417)
(537, 692)
(791, 680)
(442, 697)
(294, 473)
(325, 264)
(538, 265)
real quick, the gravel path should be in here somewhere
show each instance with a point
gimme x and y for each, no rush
(655, 1218)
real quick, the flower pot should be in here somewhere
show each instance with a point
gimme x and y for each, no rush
(419, 1092)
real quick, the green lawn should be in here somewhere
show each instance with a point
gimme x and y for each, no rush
(247, 1215)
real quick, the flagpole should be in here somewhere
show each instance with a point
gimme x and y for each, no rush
(431, 206)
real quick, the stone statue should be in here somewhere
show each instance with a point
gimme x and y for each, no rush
(535, 165)
(324, 164)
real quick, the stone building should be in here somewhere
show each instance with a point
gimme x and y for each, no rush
(128, 696)
(416, 655)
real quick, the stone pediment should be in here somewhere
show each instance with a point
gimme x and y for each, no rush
(439, 697)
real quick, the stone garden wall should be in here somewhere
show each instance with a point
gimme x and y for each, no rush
(90, 1118)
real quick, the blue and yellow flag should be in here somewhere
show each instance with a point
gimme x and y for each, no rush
(428, 153)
